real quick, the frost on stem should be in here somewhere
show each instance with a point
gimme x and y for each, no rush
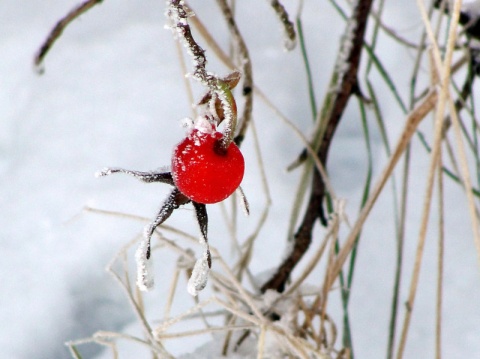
(290, 39)
(199, 277)
(343, 64)
(145, 280)
(204, 124)
(229, 108)
(178, 14)
(142, 256)
(244, 202)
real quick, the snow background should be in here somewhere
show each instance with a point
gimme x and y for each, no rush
(113, 95)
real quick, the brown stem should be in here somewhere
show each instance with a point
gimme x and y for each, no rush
(60, 26)
(179, 15)
(289, 28)
(247, 71)
(347, 84)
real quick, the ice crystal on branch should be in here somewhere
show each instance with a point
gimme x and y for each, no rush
(199, 277)
(145, 279)
(178, 14)
(343, 64)
(290, 36)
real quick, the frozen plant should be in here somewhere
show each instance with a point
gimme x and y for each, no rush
(207, 166)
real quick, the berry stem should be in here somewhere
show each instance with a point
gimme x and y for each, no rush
(178, 13)
(246, 68)
(229, 107)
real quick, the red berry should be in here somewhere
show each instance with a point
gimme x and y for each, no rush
(203, 171)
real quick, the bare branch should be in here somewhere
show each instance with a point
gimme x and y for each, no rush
(350, 52)
(59, 27)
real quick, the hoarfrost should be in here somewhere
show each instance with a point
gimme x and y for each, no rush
(199, 277)
(145, 280)
(289, 34)
(270, 297)
(288, 43)
(285, 306)
(342, 65)
(103, 172)
(289, 310)
(227, 111)
(187, 123)
(203, 125)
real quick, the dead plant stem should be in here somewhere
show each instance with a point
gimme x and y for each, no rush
(443, 69)
(412, 122)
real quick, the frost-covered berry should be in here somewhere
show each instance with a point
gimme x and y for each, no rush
(205, 172)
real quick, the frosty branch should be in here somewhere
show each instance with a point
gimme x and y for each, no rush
(246, 66)
(178, 13)
(289, 29)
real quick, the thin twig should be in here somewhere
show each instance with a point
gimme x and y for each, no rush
(171, 294)
(288, 27)
(125, 285)
(440, 265)
(411, 124)
(261, 342)
(466, 177)
(243, 261)
(247, 71)
(59, 27)
(190, 333)
(443, 69)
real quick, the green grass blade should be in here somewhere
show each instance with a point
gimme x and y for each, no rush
(311, 90)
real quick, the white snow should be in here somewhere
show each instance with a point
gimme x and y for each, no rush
(113, 95)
